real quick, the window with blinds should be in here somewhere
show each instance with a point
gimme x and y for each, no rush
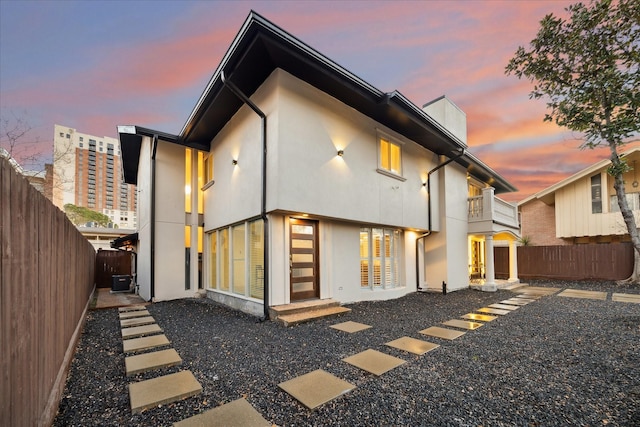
(380, 256)
(236, 259)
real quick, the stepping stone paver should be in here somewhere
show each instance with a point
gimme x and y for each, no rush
(166, 389)
(350, 326)
(489, 310)
(144, 343)
(576, 293)
(238, 413)
(137, 321)
(148, 361)
(447, 334)
(138, 331)
(635, 298)
(463, 324)
(374, 361)
(515, 301)
(412, 345)
(480, 317)
(515, 286)
(132, 314)
(504, 306)
(536, 290)
(315, 388)
(132, 308)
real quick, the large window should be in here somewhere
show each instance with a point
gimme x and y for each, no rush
(633, 200)
(596, 194)
(236, 259)
(380, 258)
(390, 156)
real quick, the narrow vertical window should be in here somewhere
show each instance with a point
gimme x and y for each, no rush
(596, 194)
(224, 260)
(238, 260)
(208, 169)
(213, 261)
(201, 182)
(256, 259)
(364, 258)
(187, 257)
(187, 180)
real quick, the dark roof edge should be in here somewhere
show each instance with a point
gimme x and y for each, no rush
(138, 130)
(255, 18)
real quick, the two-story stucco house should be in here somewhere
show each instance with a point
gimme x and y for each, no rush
(583, 207)
(294, 179)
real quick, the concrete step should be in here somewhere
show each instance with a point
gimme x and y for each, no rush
(133, 308)
(132, 314)
(302, 306)
(149, 361)
(307, 316)
(138, 331)
(144, 343)
(137, 321)
(165, 389)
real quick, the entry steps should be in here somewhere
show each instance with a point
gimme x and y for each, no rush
(305, 311)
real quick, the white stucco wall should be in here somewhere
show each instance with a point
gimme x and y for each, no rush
(305, 176)
(446, 250)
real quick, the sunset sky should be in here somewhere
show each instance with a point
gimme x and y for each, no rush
(98, 64)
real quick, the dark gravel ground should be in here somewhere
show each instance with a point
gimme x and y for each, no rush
(556, 362)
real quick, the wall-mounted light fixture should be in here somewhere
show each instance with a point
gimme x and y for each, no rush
(340, 153)
(424, 184)
(234, 162)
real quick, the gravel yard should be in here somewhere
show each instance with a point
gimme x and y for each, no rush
(555, 362)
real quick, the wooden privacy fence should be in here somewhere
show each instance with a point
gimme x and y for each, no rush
(571, 262)
(47, 274)
(110, 263)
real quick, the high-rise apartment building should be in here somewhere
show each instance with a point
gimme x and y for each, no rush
(87, 172)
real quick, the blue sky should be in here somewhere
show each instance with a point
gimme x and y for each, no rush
(93, 65)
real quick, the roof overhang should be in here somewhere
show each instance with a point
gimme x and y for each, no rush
(128, 240)
(259, 48)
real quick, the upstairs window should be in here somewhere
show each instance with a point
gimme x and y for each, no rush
(390, 156)
(596, 194)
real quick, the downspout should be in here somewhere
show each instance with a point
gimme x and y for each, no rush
(441, 165)
(153, 217)
(263, 202)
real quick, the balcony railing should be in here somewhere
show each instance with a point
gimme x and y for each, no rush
(492, 209)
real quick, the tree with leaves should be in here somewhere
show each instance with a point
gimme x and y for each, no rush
(587, 67)
(80, 215)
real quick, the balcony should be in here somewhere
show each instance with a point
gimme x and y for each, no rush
(490, 214)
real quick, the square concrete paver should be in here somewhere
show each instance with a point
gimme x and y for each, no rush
(315, 388)
(148, 361)
(447, 334)
(138, 331)
(137, 321)
(350, 327)
(132, 314)
(480, 317)
(489, 310)
(412, 345)
(536, 290)
(515, 301)
(238, 413)
(144, 343)
(374, 361)
(576, 293)
(462, 324)
(166, 389)
(504, 306)
(132, 308)
(635, 298)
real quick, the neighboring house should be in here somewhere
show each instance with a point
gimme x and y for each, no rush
(101, 237)
(86, 172)
(582, 208)
(294, 179)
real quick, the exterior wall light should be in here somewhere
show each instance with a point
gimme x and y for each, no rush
(340, 153)
(234, 162)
